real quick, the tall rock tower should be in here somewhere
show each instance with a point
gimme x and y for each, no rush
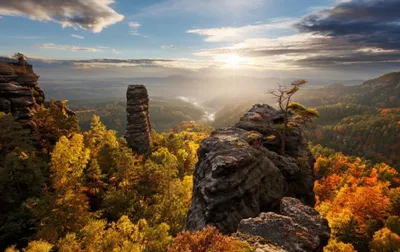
(138, 129)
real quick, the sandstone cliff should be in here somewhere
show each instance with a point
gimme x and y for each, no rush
(19, 91)
(240, 174)
(138, 129)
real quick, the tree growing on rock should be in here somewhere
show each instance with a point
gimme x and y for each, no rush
(20, 58)
(294, 114)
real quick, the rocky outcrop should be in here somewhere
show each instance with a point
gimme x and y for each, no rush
(138, 129)
(298, 228)
(240, 173)
(19, 91)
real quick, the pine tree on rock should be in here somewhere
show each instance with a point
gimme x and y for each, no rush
(294, 114)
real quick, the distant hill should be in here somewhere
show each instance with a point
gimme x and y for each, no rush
(360, 120)
(382, 92)
(390, 79)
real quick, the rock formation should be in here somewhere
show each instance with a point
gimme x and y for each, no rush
(298, 228)
(138, 129)
(19, 90)
(240, 173)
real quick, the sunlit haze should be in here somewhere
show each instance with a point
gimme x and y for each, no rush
(233, 61)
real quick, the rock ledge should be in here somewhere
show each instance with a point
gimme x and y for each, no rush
(298, 228)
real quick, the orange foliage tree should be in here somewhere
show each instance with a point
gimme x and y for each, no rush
(355, 196)
(207, 239)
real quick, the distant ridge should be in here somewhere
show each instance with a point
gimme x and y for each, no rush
(385, 80)
(8, 60)
(336, 85)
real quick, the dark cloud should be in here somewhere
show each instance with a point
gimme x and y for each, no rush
(310, 46)
(389, 58)
(93, 15)
(367, 22)
(292, 45)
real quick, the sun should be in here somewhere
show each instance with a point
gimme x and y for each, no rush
(233, 61)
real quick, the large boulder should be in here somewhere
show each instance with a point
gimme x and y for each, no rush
(241, 174)
(298, 228)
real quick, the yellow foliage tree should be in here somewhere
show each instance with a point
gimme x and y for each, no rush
(338, 246)
(173, 208)
(33, 246)
(385, 241)
(66, 209)
(118, 236)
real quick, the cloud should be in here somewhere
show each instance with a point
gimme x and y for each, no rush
(104, 63)
(168, 47)
(366, 22)
(262, 47)
(93, 15)
(180, 63)
(77, 36)
(203, 7)
(360, 34)
(342, 1)
(239, 33)
(134, 28)
(304, 51)
(64, 47)
(188, 64)
(115, 51)
(359, 57)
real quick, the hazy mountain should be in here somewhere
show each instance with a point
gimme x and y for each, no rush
(200, 89)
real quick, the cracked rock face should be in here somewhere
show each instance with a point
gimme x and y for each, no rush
(298, 228)
(19, 91)
(240, 173)
(138, 129)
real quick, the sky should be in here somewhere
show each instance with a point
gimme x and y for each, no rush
(332, 39)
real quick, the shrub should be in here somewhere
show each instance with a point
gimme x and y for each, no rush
(205, 240)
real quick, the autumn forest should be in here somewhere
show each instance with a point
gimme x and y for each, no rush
(66, 189)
